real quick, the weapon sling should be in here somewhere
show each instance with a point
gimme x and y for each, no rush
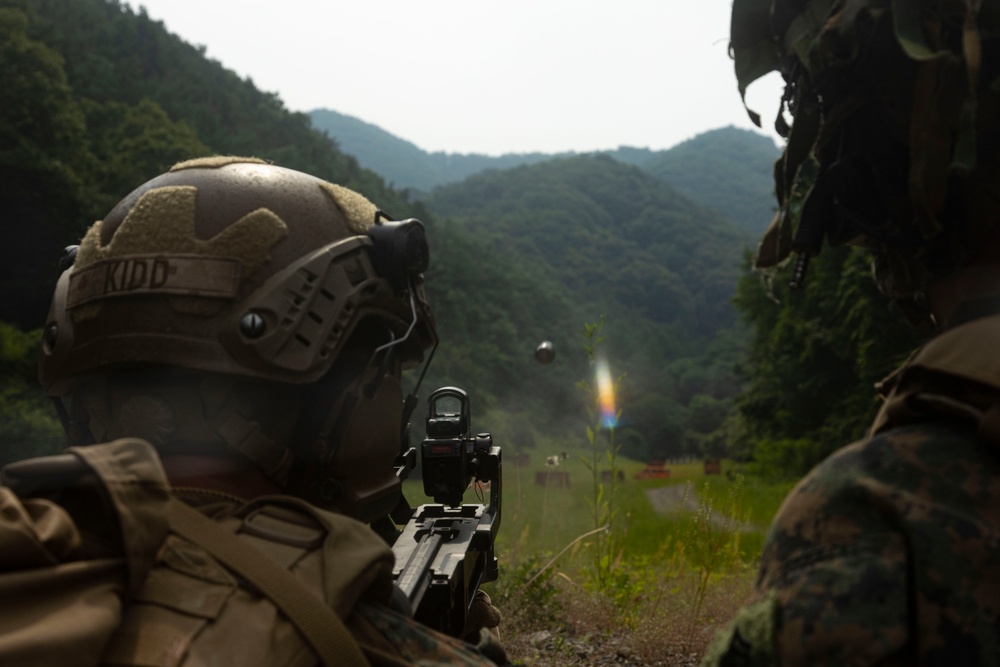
(319, 625)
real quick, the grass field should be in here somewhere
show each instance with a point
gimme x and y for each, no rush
(678, 568)
(544, 519)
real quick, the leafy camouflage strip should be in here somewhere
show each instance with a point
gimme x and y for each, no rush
(749, 638)
(886, 554)
(837, 49)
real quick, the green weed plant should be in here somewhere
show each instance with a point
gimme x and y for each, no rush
(608, 543)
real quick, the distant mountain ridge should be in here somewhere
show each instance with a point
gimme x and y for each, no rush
(403, 163)
(728, 169)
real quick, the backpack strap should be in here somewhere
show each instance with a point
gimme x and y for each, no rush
(321, 627)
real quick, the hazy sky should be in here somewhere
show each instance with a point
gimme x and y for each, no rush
(467, 76)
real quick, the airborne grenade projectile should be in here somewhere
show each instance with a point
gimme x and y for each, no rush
(545, 352)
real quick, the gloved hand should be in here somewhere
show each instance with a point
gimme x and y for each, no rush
(482, 628)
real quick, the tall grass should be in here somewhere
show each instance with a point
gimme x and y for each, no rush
(679, 575)
(602, 458)
(546, 518)
(678, 572)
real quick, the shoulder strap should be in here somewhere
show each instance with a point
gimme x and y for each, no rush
(321, 627)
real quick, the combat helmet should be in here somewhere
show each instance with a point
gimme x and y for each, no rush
(233, 305)
(895, 139)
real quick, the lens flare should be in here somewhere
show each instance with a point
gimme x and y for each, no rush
(605, 394)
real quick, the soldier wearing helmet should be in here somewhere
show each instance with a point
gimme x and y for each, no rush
(887, 553)
(250, 323)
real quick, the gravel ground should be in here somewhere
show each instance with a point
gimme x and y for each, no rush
(551, 649)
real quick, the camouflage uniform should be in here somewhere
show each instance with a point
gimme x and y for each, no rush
(889, 552)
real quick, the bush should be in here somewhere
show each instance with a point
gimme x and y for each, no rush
(28, 425)
(776, 460)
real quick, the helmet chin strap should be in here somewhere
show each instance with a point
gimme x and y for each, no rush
(410, 402)
(328, 475)
(343, 392)
(328, 438)
(337, 420)
(245, 437)
(79, 434)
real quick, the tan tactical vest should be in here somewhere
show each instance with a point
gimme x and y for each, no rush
(88, 530)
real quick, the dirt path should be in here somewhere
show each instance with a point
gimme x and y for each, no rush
(673, 498)
(684, 498)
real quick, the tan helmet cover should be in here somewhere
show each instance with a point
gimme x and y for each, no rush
(227, 265)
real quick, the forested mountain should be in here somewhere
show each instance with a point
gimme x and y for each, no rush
(727, 169)
(99, 98)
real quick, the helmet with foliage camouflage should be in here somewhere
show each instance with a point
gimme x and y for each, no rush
(234, 306)
(895, 143)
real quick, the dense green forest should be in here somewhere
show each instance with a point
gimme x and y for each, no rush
(727, 169)
(816, 355)
(97, 98)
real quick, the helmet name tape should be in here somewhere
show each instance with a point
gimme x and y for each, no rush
(189, 275)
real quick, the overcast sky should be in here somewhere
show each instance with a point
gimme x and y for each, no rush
(467, 76)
